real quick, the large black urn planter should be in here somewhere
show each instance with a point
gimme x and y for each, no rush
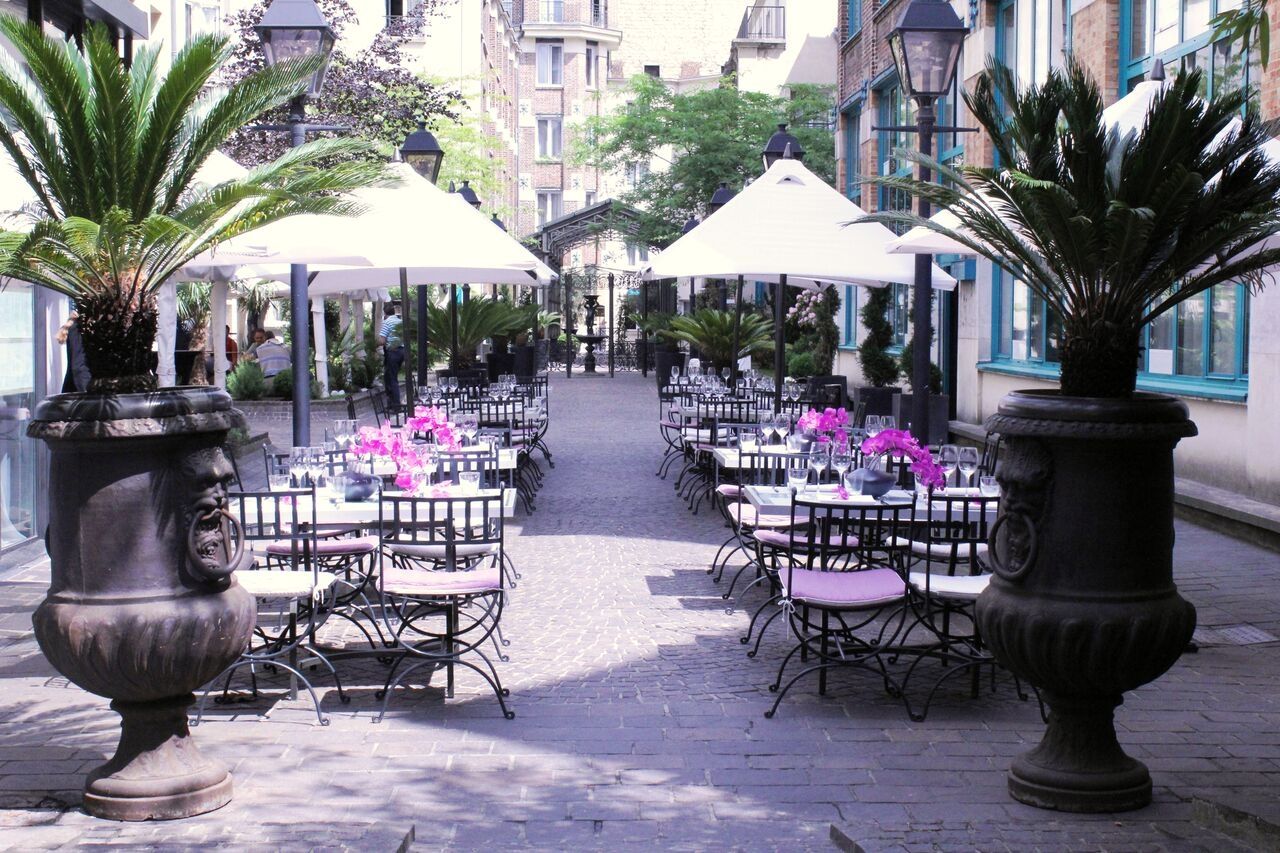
(1083, 604)
(143, 607)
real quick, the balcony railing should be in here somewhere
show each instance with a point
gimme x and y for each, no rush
(764, 24)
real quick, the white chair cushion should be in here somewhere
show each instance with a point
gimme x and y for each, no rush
(429, 584)
(962, 587)
(941, 550)
(745, 515)
(267, 584)
(437, 550)
(704, 435)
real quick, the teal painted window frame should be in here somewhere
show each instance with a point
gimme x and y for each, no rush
(849, 340)
(852, 160)
(1134, 68)
(855, 19)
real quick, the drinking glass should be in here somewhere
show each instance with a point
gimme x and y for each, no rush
(988, 486)
(469, 424)
(336, 489)
(782, 425)
(922, 491)
(968, 463)
(469, 482)
(316, 464)
(873, 425)
(797, 478)
(841, 462)
(853, 481)
(298, 467)
(818, 458)
(675, 376)
(278, 482)
(949, 459)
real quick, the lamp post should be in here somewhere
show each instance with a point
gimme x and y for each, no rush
(425, 156)
(295, 29)
(779, 145)
(926, 49)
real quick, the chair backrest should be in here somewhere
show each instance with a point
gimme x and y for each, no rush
(858, 414)
(275, 461)
(451, 464)
(285, 516)
(504, 414)
(838, 536)
(958, 526)
(990, 454)
(829, 390)
(759, 468)
(463, 525)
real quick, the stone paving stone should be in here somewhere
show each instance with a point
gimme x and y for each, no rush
(640, 719)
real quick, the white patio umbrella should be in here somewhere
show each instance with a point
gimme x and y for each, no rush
(785, 228)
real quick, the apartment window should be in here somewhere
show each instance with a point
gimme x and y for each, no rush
(550, 206)
(203, 18)
(653, 70)
(552, 11)
(855, 18)
(549, 134)
(1030, 35)
(634, 173)
(589, 199)
(599, 13)
(853, 153)
(637, 254)
(1178, 31)
(550, 61)
(593, 57)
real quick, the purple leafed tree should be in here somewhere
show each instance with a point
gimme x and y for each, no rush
(372, 91)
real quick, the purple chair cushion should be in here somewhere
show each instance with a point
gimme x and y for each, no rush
(867, 588)
(781, 539)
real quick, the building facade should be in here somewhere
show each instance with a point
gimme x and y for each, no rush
(1220, 352)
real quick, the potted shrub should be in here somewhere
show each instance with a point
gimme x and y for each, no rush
(711, 331)
(666, 351)
(1113, 231)
(145, 611)
(878, 366)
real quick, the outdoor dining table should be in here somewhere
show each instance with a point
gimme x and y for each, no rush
(729, 457)
(365, 513)
(776, 500)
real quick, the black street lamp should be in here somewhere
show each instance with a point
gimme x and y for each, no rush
(720, 198)
(926, 49)
(469, 195)
(295, 29)
(423, 153)
(779, 144)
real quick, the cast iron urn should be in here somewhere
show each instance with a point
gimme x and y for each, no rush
(1083, 604)
(143, 607)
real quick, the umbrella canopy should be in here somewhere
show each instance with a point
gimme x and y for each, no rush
(788, 223)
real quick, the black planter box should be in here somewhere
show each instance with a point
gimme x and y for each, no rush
(500, 363)
(664, 360)
(525, 361)
(939, 408)
(879, 401)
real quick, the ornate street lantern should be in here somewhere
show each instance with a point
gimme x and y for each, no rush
(295, 29)
(423, 153)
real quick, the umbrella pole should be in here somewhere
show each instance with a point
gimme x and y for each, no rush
(779, 342)
(299, 315)
(404, 325)
(424, 313)
(737, 327)
(454, 359)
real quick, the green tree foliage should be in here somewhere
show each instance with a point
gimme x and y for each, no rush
(707, 136)
(1111, 231)
(112, 154)
(878, 367)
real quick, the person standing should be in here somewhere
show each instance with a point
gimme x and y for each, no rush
(389, 338)
(233, 350)
(77, 376)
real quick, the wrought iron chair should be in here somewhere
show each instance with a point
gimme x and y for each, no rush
(844, 590)
(294, 597)
(441, 584)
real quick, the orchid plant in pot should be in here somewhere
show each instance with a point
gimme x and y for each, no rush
(873, 478)
(1111, 230)
(147, 611)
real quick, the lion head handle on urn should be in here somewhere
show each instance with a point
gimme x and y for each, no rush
(1025, 474)
(214, 536)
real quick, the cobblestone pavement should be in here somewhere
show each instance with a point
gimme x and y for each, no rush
(639, 718)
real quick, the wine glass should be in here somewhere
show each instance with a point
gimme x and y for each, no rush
(470, 425)
(298, 467)
(949, 459)
(841, 462)
(316, 464)
(766, 425)
(818, 458)
(336, 489)
(782, 425)
(888, 422)
(968, 463)
(430, 456)
(873, 425)
(675, 375)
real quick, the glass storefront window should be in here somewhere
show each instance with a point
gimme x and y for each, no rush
(1191, 337)
(18, 454)
(1223, 330)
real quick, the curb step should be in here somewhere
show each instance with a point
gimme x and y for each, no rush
(1253, 823)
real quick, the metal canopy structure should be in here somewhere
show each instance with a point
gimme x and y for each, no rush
(600, 220)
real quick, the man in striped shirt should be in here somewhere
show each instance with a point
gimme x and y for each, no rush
(392, 357)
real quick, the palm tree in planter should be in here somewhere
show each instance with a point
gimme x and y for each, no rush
(711, 331)
(1111, 231)
(146, 611)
